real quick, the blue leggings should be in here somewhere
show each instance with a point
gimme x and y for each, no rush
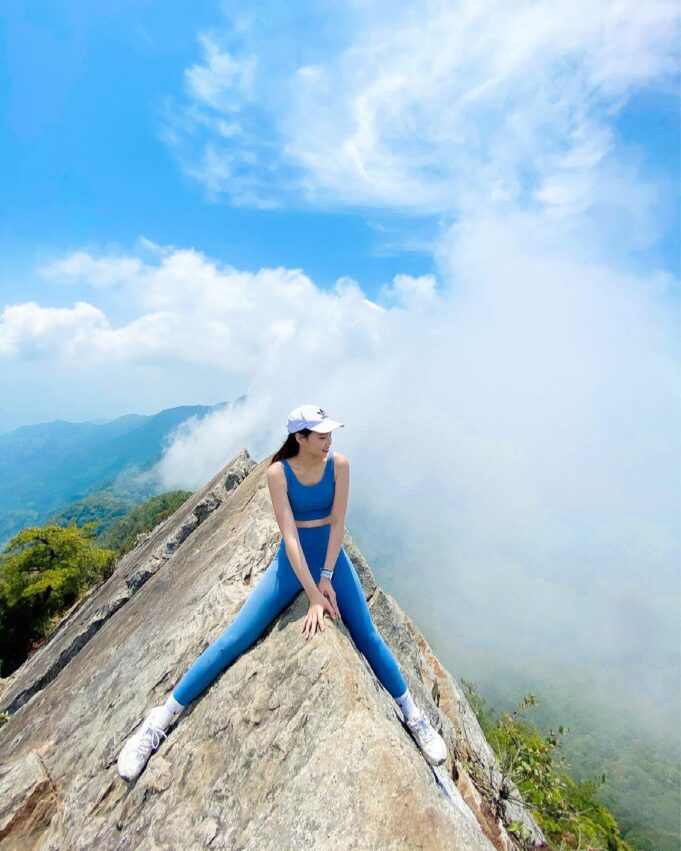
(275, 590)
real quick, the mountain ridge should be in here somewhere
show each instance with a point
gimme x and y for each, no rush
(46, 466)
(294, 743)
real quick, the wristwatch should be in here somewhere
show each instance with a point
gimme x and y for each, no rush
(327, 573)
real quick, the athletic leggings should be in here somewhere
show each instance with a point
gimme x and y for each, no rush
(275, 590)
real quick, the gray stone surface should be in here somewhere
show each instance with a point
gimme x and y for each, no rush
(295, 745)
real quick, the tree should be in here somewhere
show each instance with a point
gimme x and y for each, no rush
(566, 811)
(43, 571)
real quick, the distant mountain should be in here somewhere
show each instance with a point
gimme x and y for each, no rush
(45, 467)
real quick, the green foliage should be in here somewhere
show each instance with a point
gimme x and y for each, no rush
(634, 741)
(43, 571)
(565, 810)
(101, 507)
(121, 536)
(119, 522)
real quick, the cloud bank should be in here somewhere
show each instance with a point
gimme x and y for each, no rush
(512, 425)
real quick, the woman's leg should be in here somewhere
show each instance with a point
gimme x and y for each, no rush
(274, 591)
(357, 617)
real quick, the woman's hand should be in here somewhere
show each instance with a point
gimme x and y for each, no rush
(326, 589)
(314, 619)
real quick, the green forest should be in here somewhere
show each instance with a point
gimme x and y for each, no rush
(44, 570)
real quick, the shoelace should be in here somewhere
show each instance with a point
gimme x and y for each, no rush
(150, 739)
(422, 727)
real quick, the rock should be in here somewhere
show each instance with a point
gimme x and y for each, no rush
(28, 800)
(87, 616)
(296, 744)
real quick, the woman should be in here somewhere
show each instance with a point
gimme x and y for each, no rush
(310, 500)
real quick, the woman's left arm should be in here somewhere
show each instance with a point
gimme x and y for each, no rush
(338, 510)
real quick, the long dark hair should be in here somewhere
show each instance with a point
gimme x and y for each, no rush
(290, 446)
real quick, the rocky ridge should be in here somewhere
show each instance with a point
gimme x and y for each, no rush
(296, 744)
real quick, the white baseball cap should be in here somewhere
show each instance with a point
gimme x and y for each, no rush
(312, 417)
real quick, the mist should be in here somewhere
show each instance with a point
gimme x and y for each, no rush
(512, 430)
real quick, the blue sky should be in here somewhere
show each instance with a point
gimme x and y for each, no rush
(356, 143)
(83, 162)
(455, 226)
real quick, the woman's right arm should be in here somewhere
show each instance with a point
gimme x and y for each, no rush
(276, 481)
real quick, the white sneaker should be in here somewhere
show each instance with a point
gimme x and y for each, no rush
(139, 747)
(428, 739)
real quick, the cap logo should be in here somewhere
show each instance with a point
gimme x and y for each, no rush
(322, 413)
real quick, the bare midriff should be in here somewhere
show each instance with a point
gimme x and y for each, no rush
(321, 521)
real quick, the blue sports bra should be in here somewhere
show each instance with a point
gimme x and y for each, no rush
(311, 502)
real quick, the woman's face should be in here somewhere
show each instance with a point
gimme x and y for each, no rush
(319, 444)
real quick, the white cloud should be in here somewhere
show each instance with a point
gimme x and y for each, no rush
(411, 292)
(191, 310)
(512, 422)
(439, 107)
(98, 272)
(30, 331)
(223, 82)
(513, 433)
(448, 104)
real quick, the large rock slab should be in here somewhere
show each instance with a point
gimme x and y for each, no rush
(296, 744)
(91, 612)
